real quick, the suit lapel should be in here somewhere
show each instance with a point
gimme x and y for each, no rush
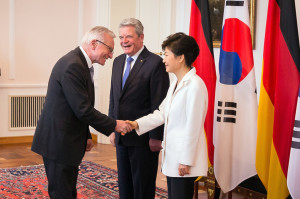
(142, 58)
(90, 84)
(169, 99)
(119, 73)
(92, 93)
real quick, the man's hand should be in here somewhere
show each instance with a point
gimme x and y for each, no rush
(183, 169)
(89, 145)
(155, 145)
(133, 124)
(122, 127)
(112, 139)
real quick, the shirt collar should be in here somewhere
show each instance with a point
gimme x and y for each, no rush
(185, 79)
(189, 74)
(88, 60)
(136, 55)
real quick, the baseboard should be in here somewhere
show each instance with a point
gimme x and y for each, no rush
(28, 139)
(16, 140)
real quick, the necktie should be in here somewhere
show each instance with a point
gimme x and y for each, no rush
(127, 70)
(92, 73)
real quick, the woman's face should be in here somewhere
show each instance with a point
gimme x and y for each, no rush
(171, 61)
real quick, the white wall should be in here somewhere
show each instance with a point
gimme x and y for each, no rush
(35, 34)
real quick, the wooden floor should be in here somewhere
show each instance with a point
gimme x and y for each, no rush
(15, 155)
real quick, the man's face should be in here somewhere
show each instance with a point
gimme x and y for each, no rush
(103, 49)
(130, 42)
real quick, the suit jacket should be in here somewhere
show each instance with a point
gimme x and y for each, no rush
(63, 127)
(183, 112)
(144, 90)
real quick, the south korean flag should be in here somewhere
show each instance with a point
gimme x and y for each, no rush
(293, 178)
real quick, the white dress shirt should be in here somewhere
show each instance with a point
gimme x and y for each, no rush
(134, 57)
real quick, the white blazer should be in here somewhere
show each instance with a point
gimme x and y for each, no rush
(183, 112)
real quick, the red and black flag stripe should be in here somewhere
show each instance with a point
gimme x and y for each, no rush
(200, 29)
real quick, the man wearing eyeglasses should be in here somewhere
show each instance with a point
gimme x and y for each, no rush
(138, 86)
(62, 134)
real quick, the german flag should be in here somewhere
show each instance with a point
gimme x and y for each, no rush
(200, 29)
(278, 97)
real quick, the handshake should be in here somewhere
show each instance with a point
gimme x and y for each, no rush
(124, 127)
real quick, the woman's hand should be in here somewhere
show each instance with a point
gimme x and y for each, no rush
(183, 169)
(133, 124)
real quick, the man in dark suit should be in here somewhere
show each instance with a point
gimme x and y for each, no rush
(62, 134)
(138, 95)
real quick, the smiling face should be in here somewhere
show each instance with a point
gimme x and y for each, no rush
(130, 42)
(103, 51)
(171, 61)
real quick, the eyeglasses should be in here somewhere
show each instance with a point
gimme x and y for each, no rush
(109, 48)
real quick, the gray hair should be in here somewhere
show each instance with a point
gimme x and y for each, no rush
(96, 33)
(139, 28)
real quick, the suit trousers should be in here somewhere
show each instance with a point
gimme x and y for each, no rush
(137, 170)
(62, 179)
(179, 187)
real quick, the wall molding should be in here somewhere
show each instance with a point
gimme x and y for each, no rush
(10, 86)
(12, 31)
(31, 85)
(137, 9)
(80, 21)
(103, 12)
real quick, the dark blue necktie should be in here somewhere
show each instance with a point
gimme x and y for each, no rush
(127, 70)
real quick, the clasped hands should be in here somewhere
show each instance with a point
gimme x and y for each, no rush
(127, 126)
(124, 127)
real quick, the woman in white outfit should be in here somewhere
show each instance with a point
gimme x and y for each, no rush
(183, 111)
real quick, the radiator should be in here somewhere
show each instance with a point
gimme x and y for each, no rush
(24, 111)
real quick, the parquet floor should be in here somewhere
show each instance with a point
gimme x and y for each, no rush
(15, 155)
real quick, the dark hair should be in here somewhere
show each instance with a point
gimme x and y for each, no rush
(182, 44)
